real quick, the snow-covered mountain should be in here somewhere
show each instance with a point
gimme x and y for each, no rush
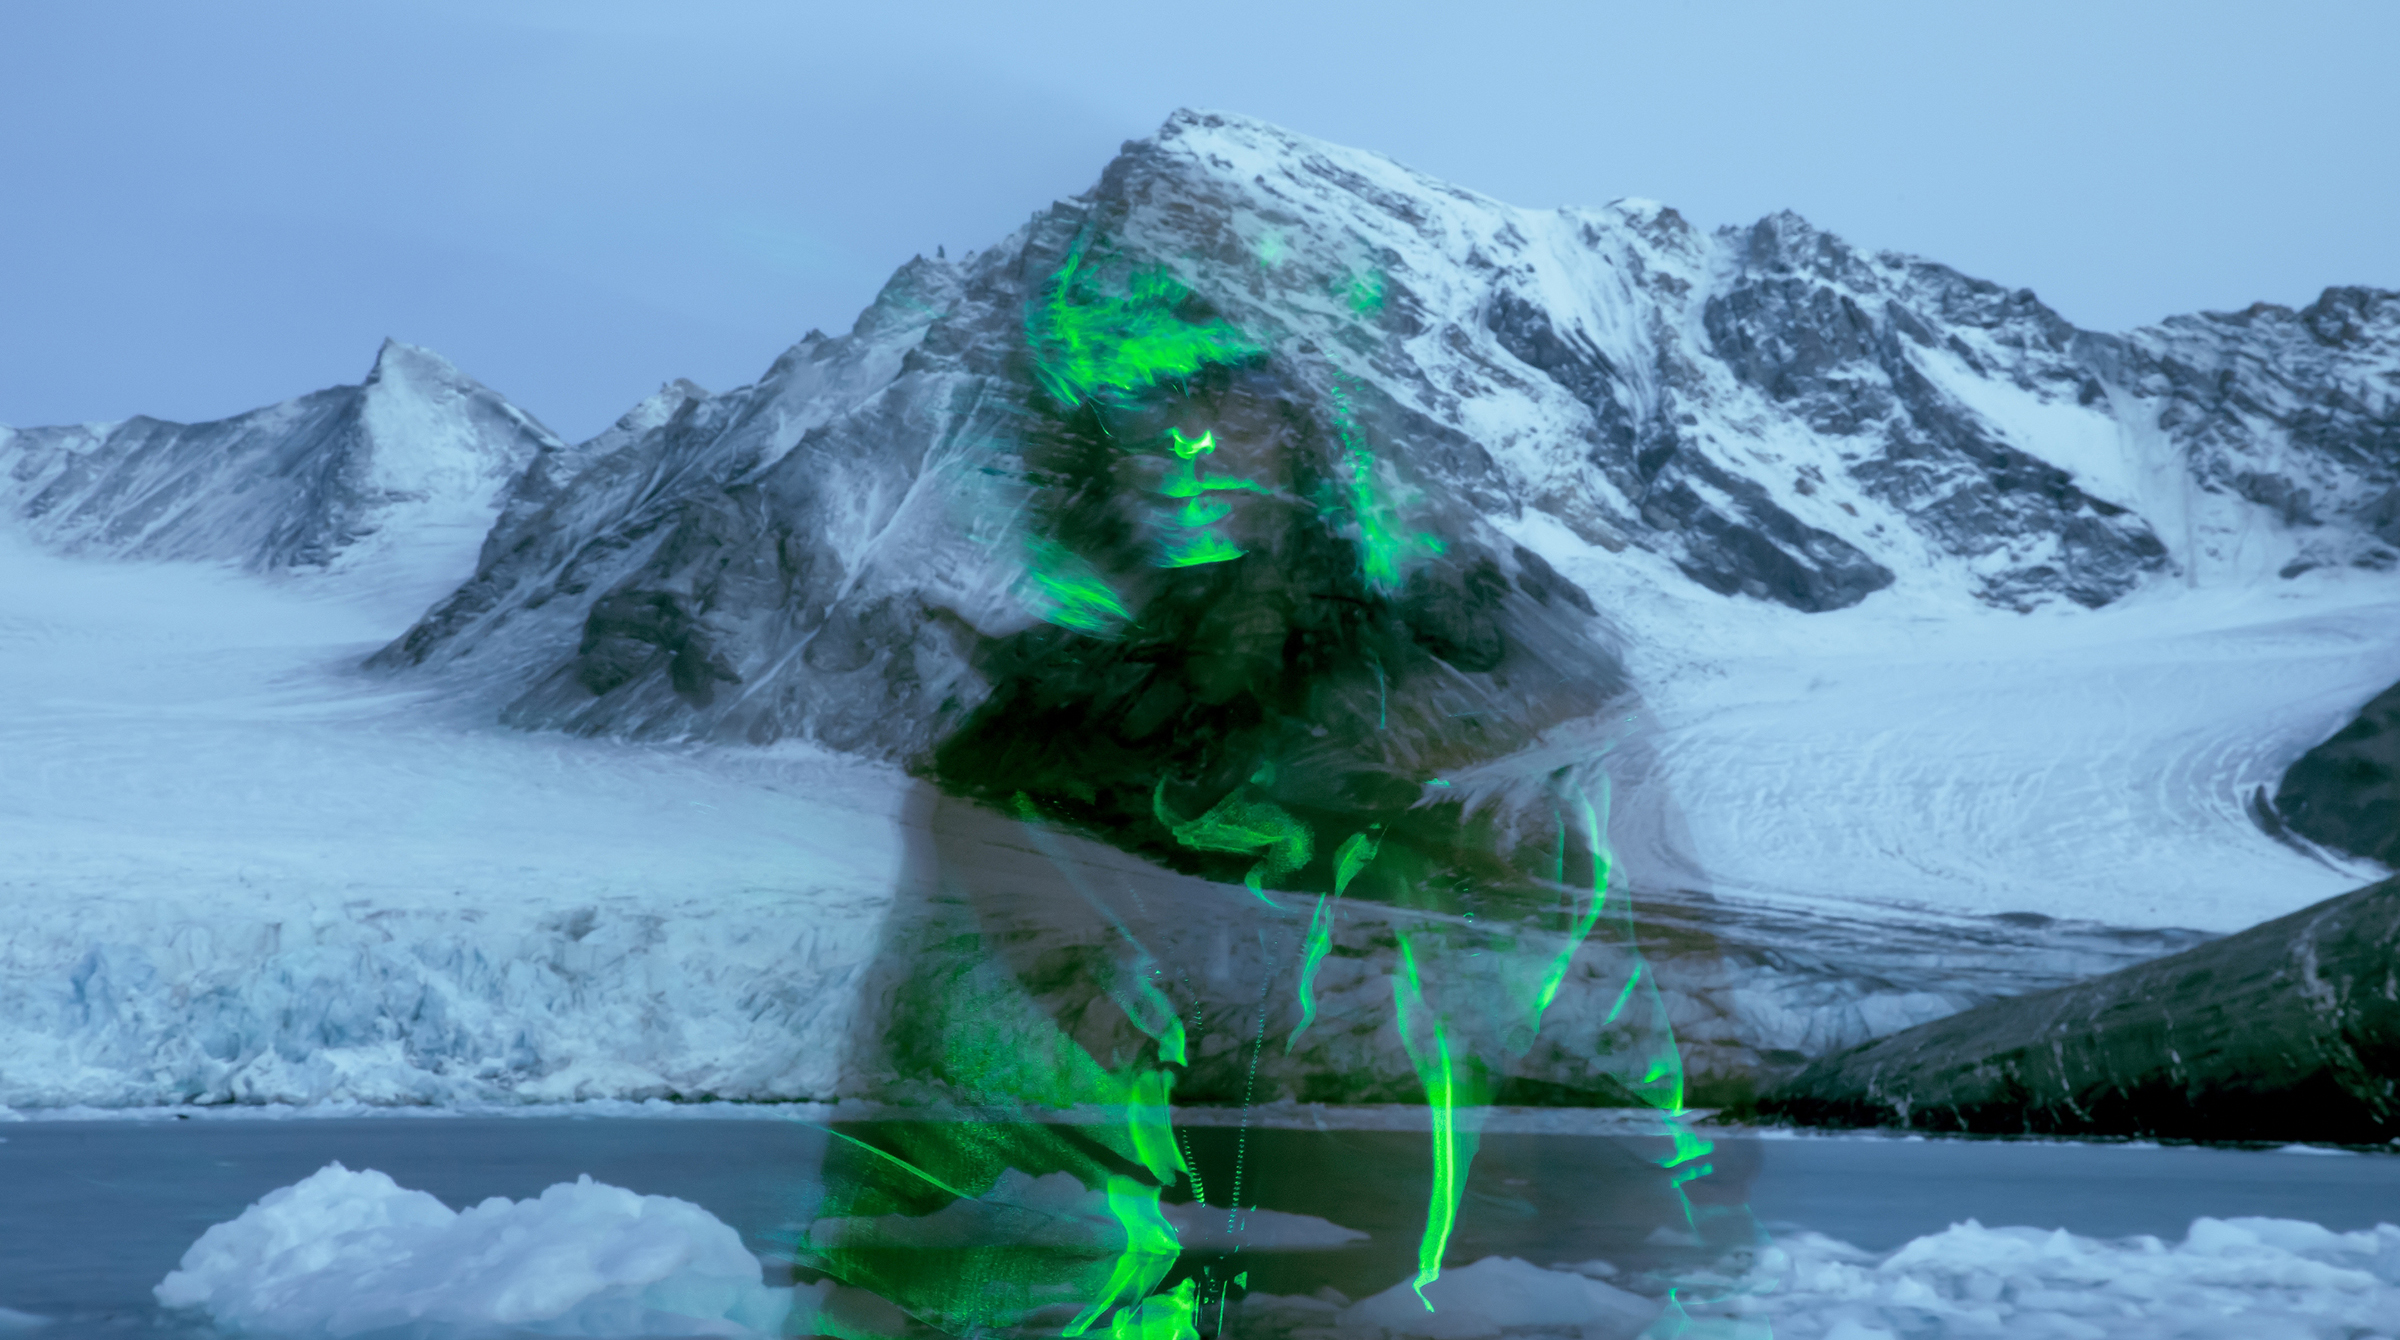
(400, 476)
(1765, 411)
(1945, 650)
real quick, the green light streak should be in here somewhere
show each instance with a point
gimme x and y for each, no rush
(1351, 857)
(1150, 1251)
(1183, 480)
(1087, 343)
(1149, 1123)
(1196, 551)
(1631, 980)
(1364, 293)
(903, 1164)
(1320, 943)
(1589, 820)
(1386, 551)
(1069, 592)
(1241, 826)
(1196, 513)
(1436, 1071)
(1161, 1316)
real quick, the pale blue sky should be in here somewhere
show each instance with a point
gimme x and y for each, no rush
(208, 208)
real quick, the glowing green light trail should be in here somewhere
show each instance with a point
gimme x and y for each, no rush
(1197, 550)
(1087, 343)
(1161, 1316)
(1070, 592)
(1242, 826)
(1590, 823)
(1320, 943)
(1150, 1251)
(1197, 513)
(1437, 1072)
(1385, 550)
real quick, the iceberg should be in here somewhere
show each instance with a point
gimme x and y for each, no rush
(345, 1253)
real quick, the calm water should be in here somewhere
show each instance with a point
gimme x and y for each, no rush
(92, 1214)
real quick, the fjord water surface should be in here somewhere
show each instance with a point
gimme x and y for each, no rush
(95, 1213)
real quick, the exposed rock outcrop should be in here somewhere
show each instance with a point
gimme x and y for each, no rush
(2345, 793)
(2287, 1031)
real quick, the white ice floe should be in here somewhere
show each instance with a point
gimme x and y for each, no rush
(1496, 1294)
(2228, 1279)
(345, 1253)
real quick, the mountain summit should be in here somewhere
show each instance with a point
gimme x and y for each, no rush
(1763, 412)
(403, 472)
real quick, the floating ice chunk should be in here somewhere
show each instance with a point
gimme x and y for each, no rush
(1502, 1293)
(1212, 1228)
(345, 1253)
(2246, 1278)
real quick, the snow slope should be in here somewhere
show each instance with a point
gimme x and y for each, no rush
(239, 869)
(243, 870)
(395, 480)
(1921, 760)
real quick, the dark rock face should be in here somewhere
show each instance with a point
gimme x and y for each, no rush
(2285, 411)
(2345, 793)
(1793, 324)
(1741, 543)
(2287, 1031)
(1287, 674)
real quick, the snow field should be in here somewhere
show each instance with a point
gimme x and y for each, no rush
(1905, 758)
(238, 870)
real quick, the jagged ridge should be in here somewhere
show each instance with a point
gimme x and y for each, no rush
(1773, 413)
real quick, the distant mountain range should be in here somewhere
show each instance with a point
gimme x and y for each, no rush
(1769, 412)
(403, 471)
(1775, 414)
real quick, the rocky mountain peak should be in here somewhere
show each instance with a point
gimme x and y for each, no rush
(1764, 413)
(401, 473)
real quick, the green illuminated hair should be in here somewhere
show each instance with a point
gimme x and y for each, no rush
(1087, 342)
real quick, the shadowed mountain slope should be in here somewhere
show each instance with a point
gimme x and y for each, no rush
(2287, 1031)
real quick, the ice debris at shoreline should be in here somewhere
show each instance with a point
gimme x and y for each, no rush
(345, 1253)
(2228, 1279)
(2252, 1278)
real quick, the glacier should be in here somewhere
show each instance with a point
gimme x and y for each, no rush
(1964, 642)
